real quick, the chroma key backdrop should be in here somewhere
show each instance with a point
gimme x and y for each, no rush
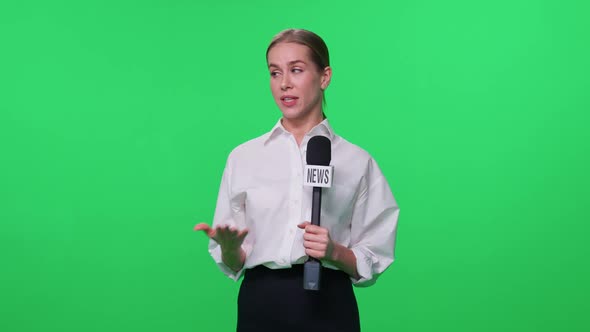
(116, 119)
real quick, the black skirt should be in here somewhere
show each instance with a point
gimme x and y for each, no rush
(274, 300)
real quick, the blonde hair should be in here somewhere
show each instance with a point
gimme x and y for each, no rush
(319, 51)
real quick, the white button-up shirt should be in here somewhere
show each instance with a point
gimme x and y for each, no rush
(262, 190)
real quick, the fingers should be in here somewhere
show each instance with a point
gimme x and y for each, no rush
(319, 254)
(204, 227)
(242, 235)
(316, 241)
(314, 233)
(229, 235)
(224, 232)
(304, 224)
(315, 245)
(313, 229)
(315, 237)
(201, 227)
(227, 230)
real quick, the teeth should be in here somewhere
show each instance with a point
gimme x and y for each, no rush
(288, 99)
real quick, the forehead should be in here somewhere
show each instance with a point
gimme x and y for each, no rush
(285, 53)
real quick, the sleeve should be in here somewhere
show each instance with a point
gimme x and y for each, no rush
(373, 226)
(230, 210)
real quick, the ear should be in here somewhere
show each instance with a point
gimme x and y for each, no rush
(326, 77)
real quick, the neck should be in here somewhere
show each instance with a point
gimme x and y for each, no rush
(299, 127)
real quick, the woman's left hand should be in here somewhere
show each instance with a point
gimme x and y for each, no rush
(317, 242)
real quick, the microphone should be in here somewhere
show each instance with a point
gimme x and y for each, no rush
(318, 174)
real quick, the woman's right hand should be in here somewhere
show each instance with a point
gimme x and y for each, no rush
(229, 238)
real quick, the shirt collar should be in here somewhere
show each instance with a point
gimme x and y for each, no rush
(323, 128)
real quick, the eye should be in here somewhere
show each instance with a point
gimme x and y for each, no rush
(274, 73)
(296, 70)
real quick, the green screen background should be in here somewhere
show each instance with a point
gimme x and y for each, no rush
(116, 118)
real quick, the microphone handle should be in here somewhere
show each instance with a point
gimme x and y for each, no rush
(313, 267)
(316, 205)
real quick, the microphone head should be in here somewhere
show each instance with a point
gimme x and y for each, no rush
(319, 151)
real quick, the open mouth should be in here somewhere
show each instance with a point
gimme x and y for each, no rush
(289, 100)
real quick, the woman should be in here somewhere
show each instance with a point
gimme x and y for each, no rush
(261, 226)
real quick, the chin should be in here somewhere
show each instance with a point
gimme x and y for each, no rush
(291, 114)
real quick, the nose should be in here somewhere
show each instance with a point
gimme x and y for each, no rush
(286, 83)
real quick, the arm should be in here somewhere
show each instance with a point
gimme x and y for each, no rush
(234, 259)
(318, 244)
(372, 236)
(344, 259)
(230, 240)
(229, 245)
(373, 226)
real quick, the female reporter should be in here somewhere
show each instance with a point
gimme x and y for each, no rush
(261, 228)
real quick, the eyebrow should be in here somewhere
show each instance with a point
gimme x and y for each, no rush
(290, 63)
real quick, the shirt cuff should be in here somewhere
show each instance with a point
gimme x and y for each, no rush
(364, 267)
(216, 254)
